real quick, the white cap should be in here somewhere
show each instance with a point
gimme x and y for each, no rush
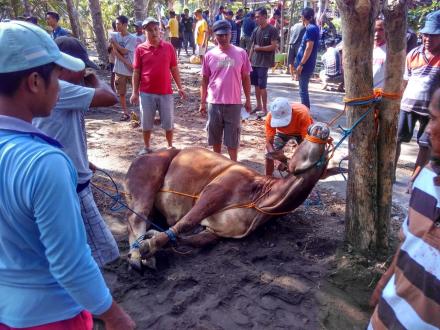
(281, 112)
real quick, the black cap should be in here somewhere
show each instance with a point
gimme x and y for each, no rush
(73, 47)
(221, 27)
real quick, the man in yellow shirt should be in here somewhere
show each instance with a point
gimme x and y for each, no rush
(201, 34)
(173, 26)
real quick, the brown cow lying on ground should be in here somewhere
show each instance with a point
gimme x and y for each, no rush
(195, 186)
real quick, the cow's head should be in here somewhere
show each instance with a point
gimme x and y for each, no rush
(312, 152)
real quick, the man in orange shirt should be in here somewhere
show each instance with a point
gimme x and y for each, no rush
(283, 124)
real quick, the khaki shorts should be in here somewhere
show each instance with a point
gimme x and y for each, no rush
(200, 50)
(224, 119)
(121, 82)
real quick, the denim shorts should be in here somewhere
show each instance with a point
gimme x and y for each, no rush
(407, 122)
(150, 103)
(259, 77)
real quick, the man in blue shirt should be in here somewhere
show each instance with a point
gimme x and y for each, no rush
(246, 31)
(47, 274)
(52, 19)
(307, 53)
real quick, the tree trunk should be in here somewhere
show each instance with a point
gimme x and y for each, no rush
(358, 18)
(73, 18)
(98, 29)
(395, 12)
(139, 10)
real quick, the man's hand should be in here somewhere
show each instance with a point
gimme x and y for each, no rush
(248, 106)
(182, 93)
(299, 70)
(92, 167)
(90, 79)
(116, 318)
(257, 48)
(134, 99)
(202, 108)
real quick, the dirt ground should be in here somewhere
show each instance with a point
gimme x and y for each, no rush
(293, 273)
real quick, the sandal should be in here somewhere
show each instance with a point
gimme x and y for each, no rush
(261, 114)
(254, 111)
(145, 151)
(124, 117)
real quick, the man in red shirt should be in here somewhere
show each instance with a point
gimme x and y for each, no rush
(283, 124)
(153, 62)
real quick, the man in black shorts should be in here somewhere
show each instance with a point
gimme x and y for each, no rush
(264, 41)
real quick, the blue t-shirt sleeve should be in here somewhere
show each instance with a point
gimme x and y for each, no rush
(312, 34)
(58, 217)
(74, 97)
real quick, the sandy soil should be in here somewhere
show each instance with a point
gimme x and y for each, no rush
(293, 273)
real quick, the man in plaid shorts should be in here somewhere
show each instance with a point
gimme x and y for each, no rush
(284, 123)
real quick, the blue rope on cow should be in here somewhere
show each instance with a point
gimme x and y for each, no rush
(171, 235)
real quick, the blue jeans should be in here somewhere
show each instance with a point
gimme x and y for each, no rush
(304, 79)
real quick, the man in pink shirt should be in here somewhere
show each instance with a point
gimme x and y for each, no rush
(153, 62)
(226, 69)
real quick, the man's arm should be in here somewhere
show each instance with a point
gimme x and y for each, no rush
(118, 47)
(246, 83)
(123, 60)
(104, 95)
(134, 99)
(205, 35)
(203, 93)
(58, 217)
(176, 76)
(273, 45)
(305, 58)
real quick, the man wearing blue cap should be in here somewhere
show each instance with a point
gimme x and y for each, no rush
(48, 277)
(421, 67)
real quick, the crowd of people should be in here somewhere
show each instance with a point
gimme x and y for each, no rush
(53, 238)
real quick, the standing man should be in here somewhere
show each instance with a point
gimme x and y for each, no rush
(188, 33)
(239, 17)
(264, 41)
(225, 70)
(66, 124)
(139, 33)
(48, 278)
(229, 16)
(247, 28)
(52, 19)
(407, 295)
(124, 44)
(153, 62)
(307, 53)
(296, 34)
(173, 26)
(421, 68)
(379, 54)
(219, 16)
(201, 34)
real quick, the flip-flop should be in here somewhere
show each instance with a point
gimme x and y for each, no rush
(261, 114)
(145, 151)
(255, 111)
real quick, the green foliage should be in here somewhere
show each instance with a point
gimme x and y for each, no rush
(416, 16)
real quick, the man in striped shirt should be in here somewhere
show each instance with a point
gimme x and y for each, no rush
(421, 68)
(408, 294)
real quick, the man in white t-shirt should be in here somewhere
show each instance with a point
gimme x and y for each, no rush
(124, 44)
(379, 54)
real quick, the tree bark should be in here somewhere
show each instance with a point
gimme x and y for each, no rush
(98, 29)
(395, 12)
(358, 18)
(73, 18)
(140, 10)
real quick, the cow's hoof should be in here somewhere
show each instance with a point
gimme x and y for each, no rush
(135, 261)
(149, 263)
(148, 248)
